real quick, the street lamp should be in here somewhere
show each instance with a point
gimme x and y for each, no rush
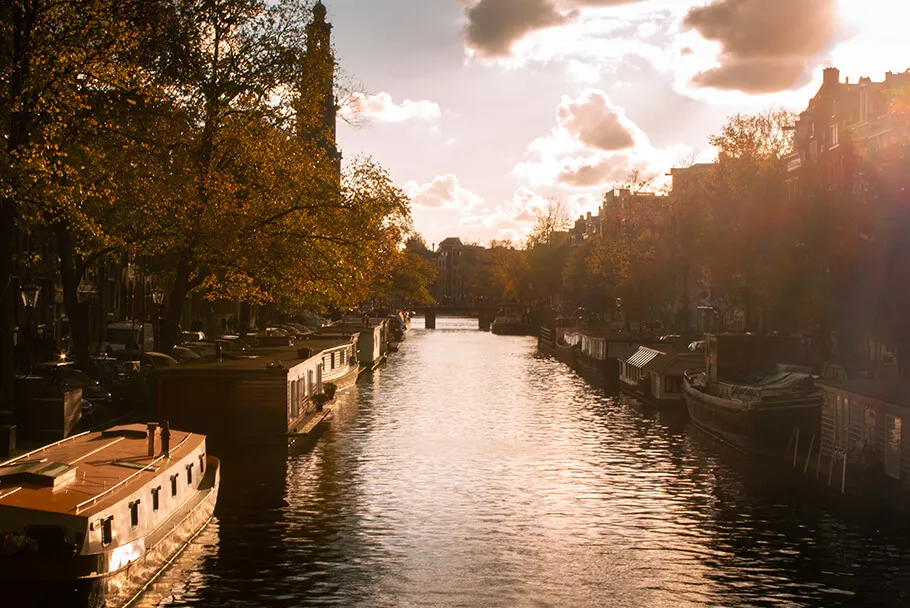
(29, 293)
(158, 299)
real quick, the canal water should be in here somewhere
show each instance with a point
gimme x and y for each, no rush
(470, 472)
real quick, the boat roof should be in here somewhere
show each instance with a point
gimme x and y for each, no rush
(265, 360)
(86, 473)
(893, 391)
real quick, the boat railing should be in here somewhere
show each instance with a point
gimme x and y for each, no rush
(94, 499)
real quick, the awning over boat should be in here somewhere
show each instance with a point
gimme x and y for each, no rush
(644, 356)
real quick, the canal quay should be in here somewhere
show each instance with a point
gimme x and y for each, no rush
(469, 471)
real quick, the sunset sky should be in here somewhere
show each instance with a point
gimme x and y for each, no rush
(481, 109)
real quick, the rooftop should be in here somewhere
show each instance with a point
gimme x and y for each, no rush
(89, 472)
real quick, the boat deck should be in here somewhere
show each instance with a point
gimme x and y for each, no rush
(88, 472)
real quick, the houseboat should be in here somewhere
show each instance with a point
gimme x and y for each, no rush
(92, 519)
(745, 399)
(655, 376)
(597, 355)
(861, 450)
(268, 400)
(559, 342)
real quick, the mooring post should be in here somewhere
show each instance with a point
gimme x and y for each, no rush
(484, 320)
(809, 455)
(843, 478)
(818, 464)
(430, 319)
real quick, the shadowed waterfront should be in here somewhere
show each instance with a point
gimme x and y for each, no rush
(469, 472)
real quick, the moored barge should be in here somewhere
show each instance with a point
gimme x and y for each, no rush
(745, 401)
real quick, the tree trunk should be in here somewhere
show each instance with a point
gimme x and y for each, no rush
(170, 326)
(71, 273)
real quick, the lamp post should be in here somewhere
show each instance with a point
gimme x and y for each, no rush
(29, 293)
(158, 299)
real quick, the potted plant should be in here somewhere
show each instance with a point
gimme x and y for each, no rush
(320, 400)
(329, 389)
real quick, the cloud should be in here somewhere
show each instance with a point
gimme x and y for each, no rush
(492, 27)
(381, 107)
(513, 218)
(595, 122)
(593, 145)
(766, 46)
(594, 171)
(443, 192)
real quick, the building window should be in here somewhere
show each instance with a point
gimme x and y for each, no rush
(156, 493)
(174, 484)
(134, 513)
(833, 136)
(201, 464)
(107, 530)
(189, 474)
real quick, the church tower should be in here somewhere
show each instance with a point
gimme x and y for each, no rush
(317, 106)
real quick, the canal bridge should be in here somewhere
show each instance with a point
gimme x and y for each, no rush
(485, 313)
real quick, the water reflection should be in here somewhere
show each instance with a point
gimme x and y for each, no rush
(469, 472)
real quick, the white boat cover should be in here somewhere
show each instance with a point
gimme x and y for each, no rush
(643, 356)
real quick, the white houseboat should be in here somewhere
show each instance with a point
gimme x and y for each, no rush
(655, 376)
(92, 519)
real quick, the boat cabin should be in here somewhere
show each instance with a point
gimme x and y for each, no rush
(252, 401)
(863, 424)
(657, 375)
(101, 499)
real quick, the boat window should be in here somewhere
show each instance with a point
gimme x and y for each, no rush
(201, 464)
(134, 513)
(174, 484)
(107, 530)
(156, 493)
(189, 474)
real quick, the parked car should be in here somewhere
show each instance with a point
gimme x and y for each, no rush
(148, 360)
(183, 354)
(203, 349)
(191, 336)
(65, 374)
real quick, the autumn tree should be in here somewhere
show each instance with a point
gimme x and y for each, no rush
(548, 249)
(65, 66)
(745, 211)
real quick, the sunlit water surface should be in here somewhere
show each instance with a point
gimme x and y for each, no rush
(470, 472)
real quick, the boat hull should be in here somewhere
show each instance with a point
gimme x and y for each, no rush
(512, 329)
(600, 372)
(52, 582)
(762, 429)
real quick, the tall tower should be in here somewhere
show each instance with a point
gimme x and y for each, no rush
(317, 106)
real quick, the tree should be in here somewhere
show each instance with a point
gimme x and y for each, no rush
(548, 221)
(745, 205)
(62, 64)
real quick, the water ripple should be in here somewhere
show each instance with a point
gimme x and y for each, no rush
(470, 472)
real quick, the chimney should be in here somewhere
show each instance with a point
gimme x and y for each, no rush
(151, 426)
(831, 76)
